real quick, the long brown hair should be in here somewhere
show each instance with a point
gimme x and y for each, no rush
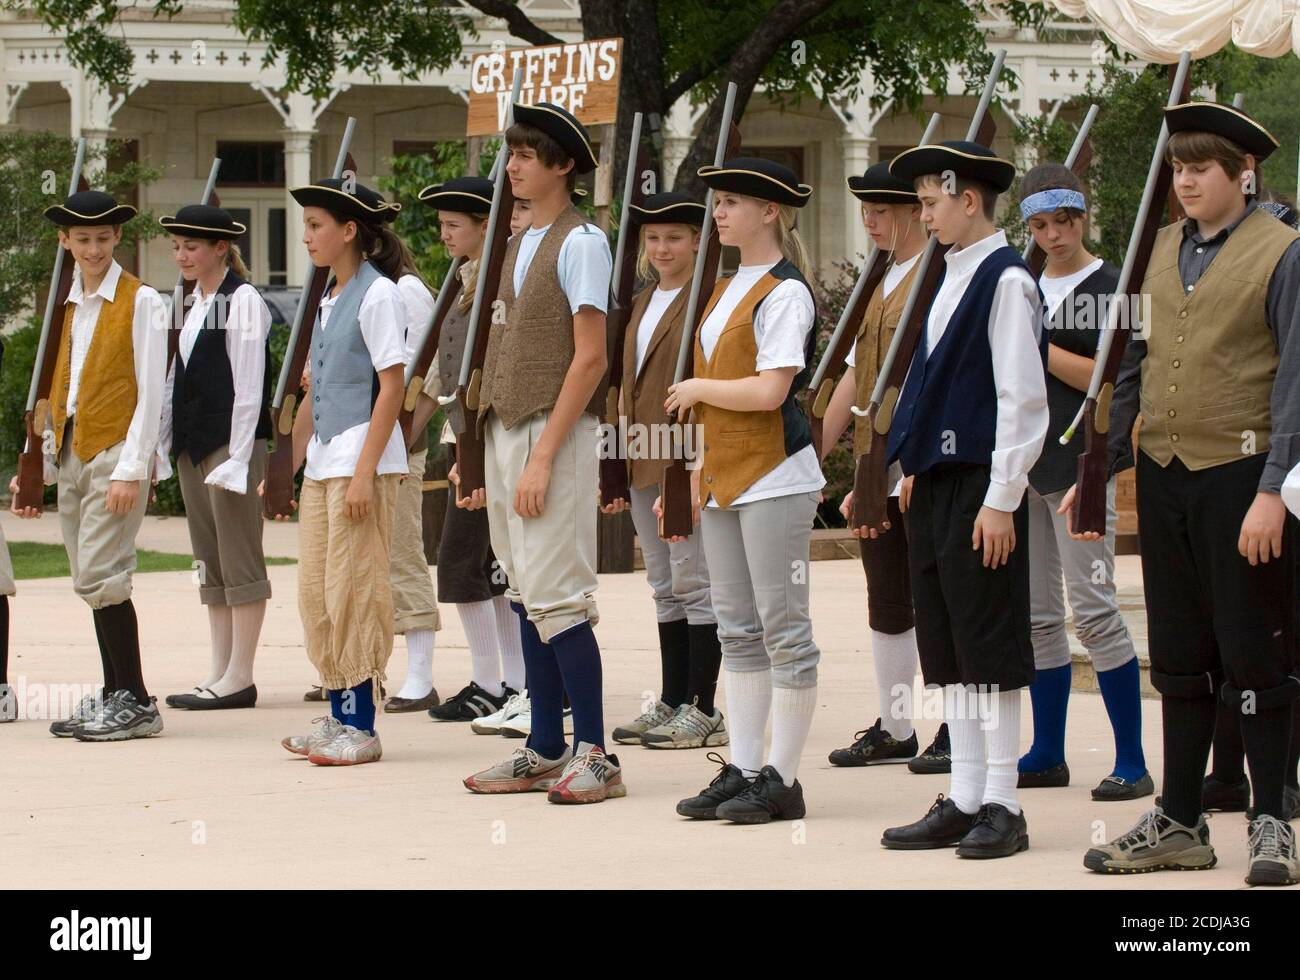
(380, 245)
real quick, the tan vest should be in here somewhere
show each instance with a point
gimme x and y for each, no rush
(739, 447)
(644, 391)
(874, 337)
(1207, 378)
(106, 392)
(528, 357)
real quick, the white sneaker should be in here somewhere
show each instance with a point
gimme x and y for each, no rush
(521, 725)
(303, 744)
(515, 705)
(350, 747)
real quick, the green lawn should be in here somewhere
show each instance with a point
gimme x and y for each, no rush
(34, 560)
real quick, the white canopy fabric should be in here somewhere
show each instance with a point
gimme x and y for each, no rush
(1160, 30)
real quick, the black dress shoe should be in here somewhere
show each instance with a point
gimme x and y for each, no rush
(396, 705)
(1052, 778)
(937, 757)
(729, 783)
(1114, 788)
(247, 698)
(996, 833)
(766, 799)
(942, 826)
(1216, 794)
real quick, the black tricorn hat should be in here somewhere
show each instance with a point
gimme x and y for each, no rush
(467, 195)
(878, 186)
(1222, 120)
(754, 177)
(973, 161)
(90, 208)
(203, 221)
(668, 208)
(560, 125)
(362, 203)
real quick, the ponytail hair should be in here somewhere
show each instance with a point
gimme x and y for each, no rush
(792, 246)
(470, 280)
(235, 262)
(380, 245)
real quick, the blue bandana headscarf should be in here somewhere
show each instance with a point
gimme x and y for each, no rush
(1051, 200)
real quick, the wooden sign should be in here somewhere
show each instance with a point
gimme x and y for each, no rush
(582, 77)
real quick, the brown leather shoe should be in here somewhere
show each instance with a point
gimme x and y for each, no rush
(398, 705)
(315, 694)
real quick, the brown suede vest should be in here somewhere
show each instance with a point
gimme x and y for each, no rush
(644, 391)
(1207, 378)
(529, 355)
(874, 336)
(106, 392)
(739, 447)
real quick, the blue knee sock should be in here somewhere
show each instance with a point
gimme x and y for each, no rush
(578, 655)
(1121, 693)
(355, 706)
(1050, 696)
(545, 690)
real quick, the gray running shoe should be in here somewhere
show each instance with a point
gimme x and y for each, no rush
(1272, 853)
(350, 747)
(303, 744)
(590, 777)
(122, 717)
(1157, 843)
(85, 711)
(522, 772)
(630, 734)
(689, 728)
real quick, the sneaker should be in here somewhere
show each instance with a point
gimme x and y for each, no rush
(630, 734)
(122, 717)
(875, 747)
(491, 725)
(996, 833)
(521, 725)
(729, 783)
(766, 799)
(590, 777)
(350, 747)
(8, 704)
(85, 711)
(1157, 843)
(303, 744)
(469, 703)
(937, 757)
(523, 772)
(1272, 853)
(689, 728)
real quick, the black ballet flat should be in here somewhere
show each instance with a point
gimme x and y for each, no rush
(247, 698)
(1053, 778)
(172, 700)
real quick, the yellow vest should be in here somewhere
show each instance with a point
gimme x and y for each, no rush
(106, 393)
(1207, 378)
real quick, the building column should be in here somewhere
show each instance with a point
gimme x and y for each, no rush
(857, 152)
(297, 171)
(679, 134)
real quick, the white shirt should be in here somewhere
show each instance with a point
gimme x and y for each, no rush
(660, 300)
(246, 323)
(1056, 288)
(1014, 329)
(149, 345)
(1291, 491)
(419, 311)
(383, 328)
(584, 265)
(781, 326)
(893, 276)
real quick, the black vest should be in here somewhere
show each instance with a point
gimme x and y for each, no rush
(203, 394)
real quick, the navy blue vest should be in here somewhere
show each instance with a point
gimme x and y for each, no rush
(203, 391)
(948, 410)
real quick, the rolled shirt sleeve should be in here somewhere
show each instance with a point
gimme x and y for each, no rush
(149, 340)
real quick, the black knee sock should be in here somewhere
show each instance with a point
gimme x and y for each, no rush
(1229, 760)
(1293, 756)
(706, 661)
(1188, 731)
(122, 631)
(4, 639)
(675, 661)
(105, 657)
(1265, 734)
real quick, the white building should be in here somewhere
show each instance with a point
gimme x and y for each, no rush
(198, 91)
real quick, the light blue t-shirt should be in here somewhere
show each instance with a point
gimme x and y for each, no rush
(584, 265)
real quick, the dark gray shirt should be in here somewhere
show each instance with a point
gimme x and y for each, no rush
(1281, 310)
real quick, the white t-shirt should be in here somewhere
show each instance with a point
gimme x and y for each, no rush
(584, 265)
(781, 326)
(893, 276)
(660, 300)
(383, 326)
(419, 308)
(1055, 289)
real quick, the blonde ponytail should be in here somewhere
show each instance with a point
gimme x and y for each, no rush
(792, 246)
(235, 262)
(468, 283)
(644, 270)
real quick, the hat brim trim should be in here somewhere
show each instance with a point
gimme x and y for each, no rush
(167, 222)
(591, 156)
(1227, 108)
(804, 191)
(668, 207)
(347, 197)
(92, 218)
(859, 191)
(949, 151)
(426, 196)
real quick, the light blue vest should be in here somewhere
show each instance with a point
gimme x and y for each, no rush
(344, 384)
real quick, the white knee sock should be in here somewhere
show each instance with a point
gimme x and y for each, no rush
(419, 665)
(792, 713)
(480, 625)
(510, 644)
(245, 629)
(969, 755)
(220, 629)
(895, 657)
(1001, 712)
(749, 697)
